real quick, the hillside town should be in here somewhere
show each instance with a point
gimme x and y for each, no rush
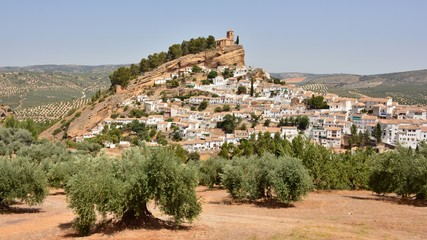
(258, 103)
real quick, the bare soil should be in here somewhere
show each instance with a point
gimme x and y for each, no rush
(294, 80)
(321, 215)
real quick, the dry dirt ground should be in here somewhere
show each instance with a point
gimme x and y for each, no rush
(321, 215)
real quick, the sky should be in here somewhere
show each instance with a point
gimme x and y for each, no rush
(313, 36)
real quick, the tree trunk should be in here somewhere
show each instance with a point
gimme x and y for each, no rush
(420, 196)
(133, 217)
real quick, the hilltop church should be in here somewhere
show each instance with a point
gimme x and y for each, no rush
(228, 41)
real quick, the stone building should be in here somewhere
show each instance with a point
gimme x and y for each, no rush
(228, 41)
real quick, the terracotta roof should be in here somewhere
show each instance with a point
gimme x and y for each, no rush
(333, 128)
(409, 127)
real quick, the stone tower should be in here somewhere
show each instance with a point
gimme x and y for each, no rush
(230, 35)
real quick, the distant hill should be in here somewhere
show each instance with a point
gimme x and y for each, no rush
(63, 68)
(418, 77)
(30, 86)
(406, 87)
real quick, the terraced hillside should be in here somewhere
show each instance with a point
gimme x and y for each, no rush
(50, 111)
(25, 87)
(405, 87)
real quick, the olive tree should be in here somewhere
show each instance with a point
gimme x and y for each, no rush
(54, 159)
(211, 170)
(23, 180)
(400, 172)
(13, 139)
(284, 179)
(122, 188)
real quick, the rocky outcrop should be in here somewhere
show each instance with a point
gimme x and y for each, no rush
(5, 111)
(225, 56)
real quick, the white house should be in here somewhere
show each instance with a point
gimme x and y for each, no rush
(341, 104)
(409, 135)
(194, 145)
(245, 83)
(362, 121)
(221, 68)
(417, 113)
(289, 132)
(329, 137)
(141, 98)
(162, 81)
(197, 99)
(163, 126)
(370, 102)
(240, 71)
(390, 130)
(357, 108)
(219, 80)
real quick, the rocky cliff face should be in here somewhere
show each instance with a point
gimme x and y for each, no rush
(91, 116)
(226, 56)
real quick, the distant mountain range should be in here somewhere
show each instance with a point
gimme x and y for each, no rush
(418, 77)
(405, 87)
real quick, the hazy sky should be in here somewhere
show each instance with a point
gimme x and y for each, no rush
(370, 36)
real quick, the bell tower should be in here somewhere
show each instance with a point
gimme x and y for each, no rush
(230, 35)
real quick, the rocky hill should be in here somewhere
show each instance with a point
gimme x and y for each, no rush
(89, 116)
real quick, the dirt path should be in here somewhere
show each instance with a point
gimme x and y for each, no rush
(21, 101)
(83, 93)
(324, 215)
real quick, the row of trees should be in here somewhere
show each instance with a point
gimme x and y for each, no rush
(35, 128)
(301, 122)
(358, 138)
(224, 108)
(327, 169)
(400, 171)
(230, 122)
(123, 75)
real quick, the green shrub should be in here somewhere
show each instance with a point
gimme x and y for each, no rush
(89, 147)
(71, 112)
(56, 131)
